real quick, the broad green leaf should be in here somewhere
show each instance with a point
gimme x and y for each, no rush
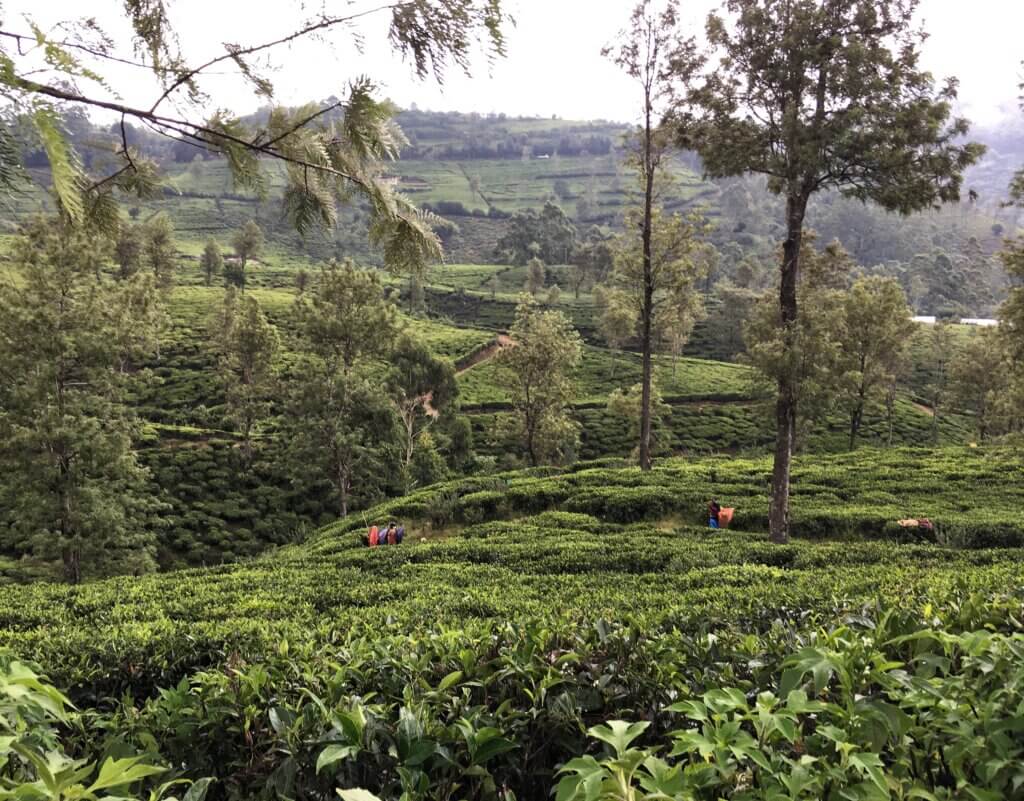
(871, 765)
(357, 794)
(618, 733)
(119, 772)
(197, 792)
(450, 680)
(334, 753)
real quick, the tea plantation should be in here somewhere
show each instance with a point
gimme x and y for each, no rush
(568, 628)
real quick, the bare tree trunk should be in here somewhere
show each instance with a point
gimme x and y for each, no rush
(890, 409)
(785, 407)
(72, 558)
(856, 420)
(647, 310)
(342, 482)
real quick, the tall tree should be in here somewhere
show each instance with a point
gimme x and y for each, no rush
(617, 320)
(211, 262)
(342, 426)
(940, 351)
(646, 52)
(626, 404)
(247, 243)
(248, 344)
(128, 251)
(1011, 313)
(817, 95)
(535, 276)
(539, 378)
(877, 328)
(980, 379)
(66, 335)
(591, 260)
(158, 249)
(325, 161)
(656, 278)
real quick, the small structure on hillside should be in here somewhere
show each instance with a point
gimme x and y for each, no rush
(984, 322)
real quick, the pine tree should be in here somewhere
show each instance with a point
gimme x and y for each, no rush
(248, 344)
(341, 425)
(67, 335)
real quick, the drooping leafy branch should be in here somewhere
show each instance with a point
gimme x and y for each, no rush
(329, 151)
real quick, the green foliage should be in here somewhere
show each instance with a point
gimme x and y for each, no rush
(211, 262)
(341, 425)
(248, 344)
(128, 250)
(422, 388)
(847, 715)
(158, 249)
(539, 363)
(64, 166)
(483, 657)
(68, 337)
(36, 765)
(548, 235)
(247, 242)
(876, 330)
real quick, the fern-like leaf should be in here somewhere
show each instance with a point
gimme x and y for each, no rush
(64, 168)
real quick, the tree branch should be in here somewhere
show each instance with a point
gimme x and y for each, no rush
(233, 54)
(200, 133)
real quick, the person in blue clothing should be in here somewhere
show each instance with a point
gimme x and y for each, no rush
(714, 511)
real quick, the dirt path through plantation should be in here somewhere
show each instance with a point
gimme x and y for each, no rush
(485, 354)
(927, 410)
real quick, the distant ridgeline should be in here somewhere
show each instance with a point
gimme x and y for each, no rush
(479, 171)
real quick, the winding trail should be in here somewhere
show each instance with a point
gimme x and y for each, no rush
(926, 410)
(485, 354)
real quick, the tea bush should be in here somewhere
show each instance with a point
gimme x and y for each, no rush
(474, 663)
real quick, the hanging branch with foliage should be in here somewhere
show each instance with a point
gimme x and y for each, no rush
(329, 151)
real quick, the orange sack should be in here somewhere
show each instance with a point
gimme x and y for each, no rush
(725, 516)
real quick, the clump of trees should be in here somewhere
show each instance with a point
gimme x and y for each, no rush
(548, 235)
(362, 399)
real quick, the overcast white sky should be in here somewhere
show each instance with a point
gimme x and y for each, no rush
(553, 65)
